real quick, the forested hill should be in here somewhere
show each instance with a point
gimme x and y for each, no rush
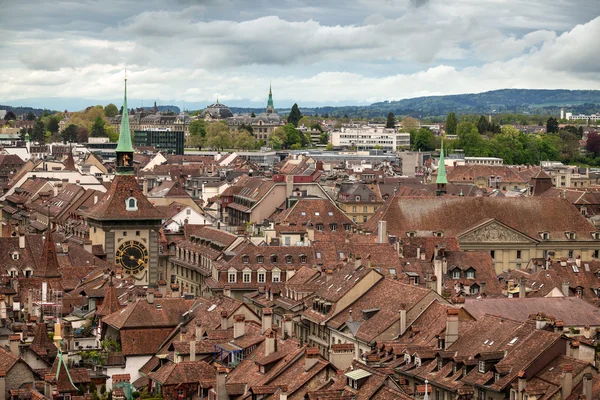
(24, 110)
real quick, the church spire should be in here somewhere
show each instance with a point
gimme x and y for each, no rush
(125, 148)
(441, 179)
(270, 107)
(48, 266)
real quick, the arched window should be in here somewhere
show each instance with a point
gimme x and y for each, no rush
(288, 259)
(131, 204)
(273, 258)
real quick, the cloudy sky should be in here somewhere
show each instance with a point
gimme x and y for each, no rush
(66, 54)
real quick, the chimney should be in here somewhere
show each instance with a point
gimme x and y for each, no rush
(193, 348)
(239, 326)
(565, 289)
(566, 381)
(150, 297)
(522, 291)
(224, 319)
(145, 187)
(283, 392)
(575, 349)
(311, 358)
(270, 342)
(199, 330)
(559, 326)
(328, 274)
(14, 341)
(220, 386)
(587, 386)
(87, 246)
(357, 262)
(162, 288)
(586, 332)
(267, 319)
(419, 252)
(522, 384)
(578, 261)
(227, 291)
(439, 278)
(21, 240)
(402, 321)
(287, 325)
(289, 185)
(342, 355)
(382, 232)
(451, 326)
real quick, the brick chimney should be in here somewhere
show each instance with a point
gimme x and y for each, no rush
(311, 357)
(267, 319)
(239, 325)
(224, 324)
(522, 290)
(199, 329)
(566, 381)
(270, 342)
(451, 326)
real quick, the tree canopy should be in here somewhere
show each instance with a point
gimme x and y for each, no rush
(295, 115)
(98, 128)
(451, 124)
(391, 121)
(111, 110)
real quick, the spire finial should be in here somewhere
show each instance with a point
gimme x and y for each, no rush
(441, 179)
(125, 74)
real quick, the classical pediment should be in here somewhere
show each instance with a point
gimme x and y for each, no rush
(493, 231)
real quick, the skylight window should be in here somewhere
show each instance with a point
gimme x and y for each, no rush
(330, 214)
(317, 213)
(303, 213)
(513, 341)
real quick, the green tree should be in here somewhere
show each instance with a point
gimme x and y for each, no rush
(451, 124)
(277, 138)
(483, 125)
(424, 140)
(552, 125)
(218, 136)
(409, 123)
(52, 126)
(39, 132)
(391, 121)
(30, 116)
(111, 110)
(242, 139)
(198, 127)
(112, 133)
(98, 128)
(329, 147)
(324, 138)
(295, 115)
(292, 135)
(195, 141)
(10, 116)
(70, 133)
(469, 140)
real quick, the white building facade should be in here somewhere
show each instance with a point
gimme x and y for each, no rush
(370, 137)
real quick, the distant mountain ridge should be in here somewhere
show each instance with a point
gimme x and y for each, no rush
(532, 101)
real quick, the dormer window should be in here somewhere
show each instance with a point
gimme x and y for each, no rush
(131, 204)
(570, 235)
(417, 361)
(357, 198)
(15, 256)
(496, 377)
(596, 235)
(319, 227)
(333, 227)
(481, 367)
(456, 274)
(288, 259)
(411, 234)
(470, 273)
(303, 259)
(438, 234)
(545, 235)
(260, 259)
(245, 259)
(274, 258)
(440, 364)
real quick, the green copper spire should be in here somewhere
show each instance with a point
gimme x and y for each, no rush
(441, 173)
(124, 147)
(270, 107)
(125, 134)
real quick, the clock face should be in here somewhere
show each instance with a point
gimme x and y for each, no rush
(132, 256)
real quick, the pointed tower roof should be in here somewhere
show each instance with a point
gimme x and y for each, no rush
(270, 102)
(64, 382)
(70, 162)
(48, 265)
(41, 344)
(441, 172)
(111, 302)
(124, 144)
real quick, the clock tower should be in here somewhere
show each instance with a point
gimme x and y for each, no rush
(124, 222)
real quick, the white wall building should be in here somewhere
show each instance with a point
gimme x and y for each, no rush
(483, 161)
(367, 137)
(589, 118)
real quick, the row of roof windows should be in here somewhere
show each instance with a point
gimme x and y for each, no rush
(260, 259)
